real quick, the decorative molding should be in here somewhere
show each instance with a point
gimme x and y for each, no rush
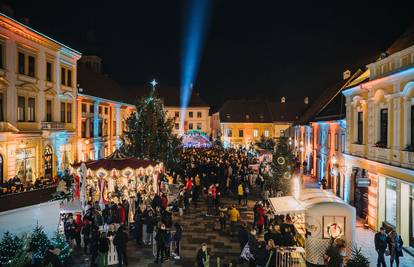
(28, 87)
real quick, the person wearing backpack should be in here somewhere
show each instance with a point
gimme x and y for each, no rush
(103, 248)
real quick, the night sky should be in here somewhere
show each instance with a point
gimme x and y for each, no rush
(253, 48)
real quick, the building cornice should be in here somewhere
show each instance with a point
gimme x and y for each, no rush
(389, 79)
(35, 36)
(380, 164)
(99, 99)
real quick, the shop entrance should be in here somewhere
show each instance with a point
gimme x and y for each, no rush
(360, 193)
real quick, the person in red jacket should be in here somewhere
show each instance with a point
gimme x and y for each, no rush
(121, 214)
(189, 184)
(260, 218)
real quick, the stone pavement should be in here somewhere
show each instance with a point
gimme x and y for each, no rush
(197, 229)
(365, 240)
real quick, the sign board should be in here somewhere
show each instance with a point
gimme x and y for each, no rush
(363, 182)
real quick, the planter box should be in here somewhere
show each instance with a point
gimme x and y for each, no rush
(382, 154)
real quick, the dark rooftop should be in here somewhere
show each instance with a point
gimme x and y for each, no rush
(260, 111)
(404, 41)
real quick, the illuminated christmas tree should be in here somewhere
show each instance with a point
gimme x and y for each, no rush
(10, 246)
(282, 167)
(38, 243)
(149, 132)
(59, 241)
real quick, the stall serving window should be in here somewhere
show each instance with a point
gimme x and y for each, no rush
(391, 202)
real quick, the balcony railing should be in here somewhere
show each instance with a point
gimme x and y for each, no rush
(53, 125)
(27, 198)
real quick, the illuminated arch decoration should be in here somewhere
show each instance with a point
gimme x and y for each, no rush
(196, 138)
(379, 96)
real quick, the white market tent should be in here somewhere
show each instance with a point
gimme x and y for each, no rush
(286, 205)
(326, 216)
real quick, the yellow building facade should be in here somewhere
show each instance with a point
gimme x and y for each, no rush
(37, 103)
(379, 144)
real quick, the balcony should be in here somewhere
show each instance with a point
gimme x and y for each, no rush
(381, 154)
(53, 125)
(408, 159)
(357, 149)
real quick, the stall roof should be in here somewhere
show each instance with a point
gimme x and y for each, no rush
(308, 198)
(285, 205)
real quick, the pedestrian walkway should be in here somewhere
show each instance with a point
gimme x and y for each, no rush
(364, 238)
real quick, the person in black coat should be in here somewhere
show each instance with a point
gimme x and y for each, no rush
(380, 241)
(51, 258)
(395, 245)
(261, 254)
(138, 225)
(177, 239)
(93, 247)
(120, 242)
(243, 236)
(161, 238)
(203, 258)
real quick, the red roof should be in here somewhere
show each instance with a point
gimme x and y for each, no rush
(118, 161)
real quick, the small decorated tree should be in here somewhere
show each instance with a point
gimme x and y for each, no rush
(59, 241)
(10, 245)
(282, 167)
(357, 258)
(38, 244)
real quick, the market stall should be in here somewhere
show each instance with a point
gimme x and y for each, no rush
(325, 217)
(117, 178)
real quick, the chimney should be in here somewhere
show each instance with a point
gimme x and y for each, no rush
(306, 100)
(347, 74)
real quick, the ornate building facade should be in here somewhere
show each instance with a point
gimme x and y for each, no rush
(380, 137)
(37, 103)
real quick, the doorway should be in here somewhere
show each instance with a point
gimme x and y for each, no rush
(360, 194)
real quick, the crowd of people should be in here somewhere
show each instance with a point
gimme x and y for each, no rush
(204, 175)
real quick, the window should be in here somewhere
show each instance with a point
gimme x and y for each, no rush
(176, 126)
(177, 114)
(336, 142)
(391, 203)
(255, 133)
(62, 112)
(199, 126)
(106, 111)
(360, 127)
(190, 114)
(31, 70)
(83, 129)
(83, 108)
(342, 143)
(99, 110)
(69, 81)
(63, 75)
(21, 63)
(92, 108)
(412, 125)
(114, 128)
(1, 60)
(328, 141)
(266, 133)
(21, 108)
(198, 114)
(190, 126)
(384, 126)
(91, 128)
(240, 133)
(69, 113)
(100, 128)
(48, 110)
(48, 71)
(229, 133)
(1, 108)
